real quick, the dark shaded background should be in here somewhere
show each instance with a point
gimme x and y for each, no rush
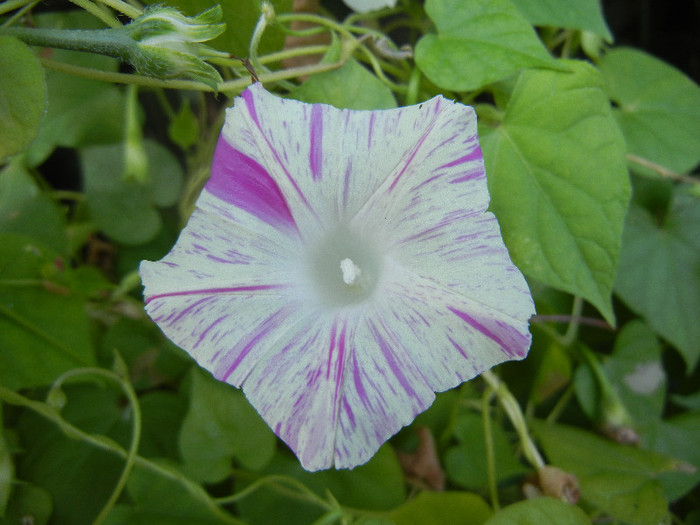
(667, 29)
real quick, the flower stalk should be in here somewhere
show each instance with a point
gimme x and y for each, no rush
(515, 414)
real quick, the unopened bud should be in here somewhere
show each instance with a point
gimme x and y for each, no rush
(169, 44)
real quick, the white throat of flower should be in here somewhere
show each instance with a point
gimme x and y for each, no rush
(358, 259)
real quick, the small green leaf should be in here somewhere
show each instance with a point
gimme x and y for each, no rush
(673, 437)
(438, 508)
(24, 209)
(162, 413)
(124, 209)
(658, 275)
(80, 111)
(558, 178)
(219, 426)
(69, 468)
(350, 87)
(617, 479)
(636, 369)
(166, 173)
(466, 463)
(121, 208)
(635, 372)
(29, 502)
(691, 401)
(573, 14)
(22, 96)
(477, 43)
(44, 327)
(540, 511)
(184, 127)
(658, 108)
(552, 371)
(164, 500)
(376, 485)
(151, 358)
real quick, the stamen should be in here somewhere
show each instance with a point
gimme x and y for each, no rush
(350, 271)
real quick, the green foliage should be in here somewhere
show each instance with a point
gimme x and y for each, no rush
(658, 275)
(465, 462)
(240, 18)
(636, 373)
(540, 511)
(562, 136)
(68, 469)
(560, 207)
(478, 42)
(77, 107)
(618, 479)
(44, 328)
(432, 508)
(26, 210)
(375, 486)
(575, 14)
(218, 427)
(6, 473)
(658, 108)
(22, 96)
(350, 87)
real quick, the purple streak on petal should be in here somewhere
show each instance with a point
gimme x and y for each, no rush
(348, 411)
(469, 176)
(316, 146)
(247, 96)
(340, 373)
(256, 288)
(390, 357)
(239, 180)
(474, 155)
(458, 347)
(185, 311)
(330, 350)
(243, 348)
(428, 181)
(510, 340)
(346, 184)
(370, 130)
(415, 150)
(361, 392)
(205, 332)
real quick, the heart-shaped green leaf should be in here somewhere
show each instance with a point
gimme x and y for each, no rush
(572, 14)
(658, 108)
(659, 274)
(478, 42)
(22, 96)
(558, 179)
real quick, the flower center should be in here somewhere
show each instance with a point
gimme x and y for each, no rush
(360, 266)
(350, 271)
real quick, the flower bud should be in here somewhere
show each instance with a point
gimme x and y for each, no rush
(169, 43)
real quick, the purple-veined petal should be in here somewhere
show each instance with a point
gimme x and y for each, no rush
(224, 248)
(327, 162)
(431, 215)
(348, 392)
(356, 377)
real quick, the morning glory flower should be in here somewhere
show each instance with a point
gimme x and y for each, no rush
(340, 268)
